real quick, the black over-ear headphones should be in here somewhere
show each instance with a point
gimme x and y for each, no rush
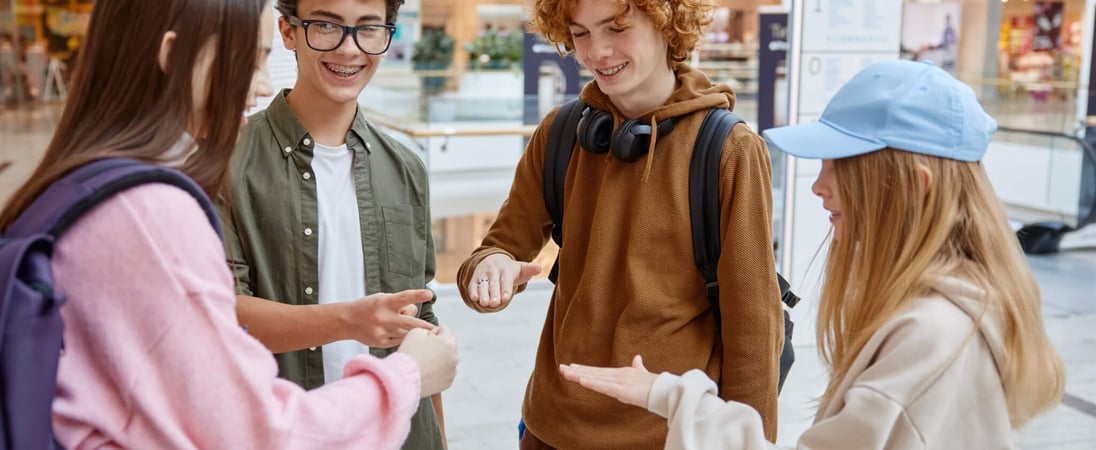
(628, 143)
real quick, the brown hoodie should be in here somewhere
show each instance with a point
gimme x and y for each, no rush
(627, 282)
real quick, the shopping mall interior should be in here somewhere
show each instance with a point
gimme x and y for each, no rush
(464, 87)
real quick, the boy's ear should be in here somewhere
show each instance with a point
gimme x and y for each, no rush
(166, 44)
(289, 38)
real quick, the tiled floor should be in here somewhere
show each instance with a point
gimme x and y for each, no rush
(497, 350)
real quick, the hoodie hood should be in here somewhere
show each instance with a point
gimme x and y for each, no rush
(693, 92)
(971, 299)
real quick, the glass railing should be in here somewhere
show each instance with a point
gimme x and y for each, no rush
(479, 96)
(1044, 175)
(448, 96)
(468, 127)
(1045, 106)
(433, 105)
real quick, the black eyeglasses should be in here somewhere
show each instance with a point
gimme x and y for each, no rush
(325, 36)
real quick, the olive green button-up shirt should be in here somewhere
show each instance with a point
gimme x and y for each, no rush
(272, 235)
(271, 230)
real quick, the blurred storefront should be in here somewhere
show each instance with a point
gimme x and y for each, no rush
(1041, 42)
(38, 41)
(1019, 55)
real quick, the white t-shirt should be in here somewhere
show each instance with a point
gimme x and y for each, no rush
(341, 263)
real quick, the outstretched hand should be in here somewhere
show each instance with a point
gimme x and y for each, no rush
(382, 320)
(496, 277)
(631, 385)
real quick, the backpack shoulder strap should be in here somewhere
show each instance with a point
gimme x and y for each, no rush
(557, 157)
(704, 203)
(31, 328)
(704, 197)
(70, 197)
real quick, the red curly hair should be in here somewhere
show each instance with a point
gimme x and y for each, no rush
(681, 22)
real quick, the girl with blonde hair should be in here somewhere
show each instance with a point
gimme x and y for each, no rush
(929, 319)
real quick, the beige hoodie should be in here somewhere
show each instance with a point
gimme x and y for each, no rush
(922, 381)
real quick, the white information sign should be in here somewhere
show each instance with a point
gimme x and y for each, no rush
(824, 73)
(831, 40)
(851, 25)
(837, 39)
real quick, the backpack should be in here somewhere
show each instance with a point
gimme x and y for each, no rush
(31, 328)
(703, 204)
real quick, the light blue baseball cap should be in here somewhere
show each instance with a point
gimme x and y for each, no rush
(906, 105)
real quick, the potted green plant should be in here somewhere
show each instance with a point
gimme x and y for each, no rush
(434, 52)
(495, 50)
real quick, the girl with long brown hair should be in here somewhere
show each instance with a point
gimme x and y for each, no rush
(929, 318)
(153, 355)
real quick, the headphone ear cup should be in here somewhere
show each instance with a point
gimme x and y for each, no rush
(630, 141)
(595, 130)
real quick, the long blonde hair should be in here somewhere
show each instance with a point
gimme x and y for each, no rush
(900, 235)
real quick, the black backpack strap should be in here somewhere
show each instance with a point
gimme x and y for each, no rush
(704, 203)
(704, 198)
(704, 215)
(71, 196)
(557, 157)
(786, 295)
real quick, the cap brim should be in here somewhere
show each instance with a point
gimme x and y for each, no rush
(816, 140)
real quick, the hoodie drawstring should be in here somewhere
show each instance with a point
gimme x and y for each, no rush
(651, 148)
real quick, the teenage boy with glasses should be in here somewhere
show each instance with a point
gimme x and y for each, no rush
(325, 209)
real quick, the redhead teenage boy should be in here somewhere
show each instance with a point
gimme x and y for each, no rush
(627, 281)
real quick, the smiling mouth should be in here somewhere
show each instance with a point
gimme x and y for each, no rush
(343, 71)
(612, 70)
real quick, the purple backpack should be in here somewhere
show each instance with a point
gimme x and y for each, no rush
(30, 319)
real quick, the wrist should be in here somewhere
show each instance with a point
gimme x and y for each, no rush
(409, 368)
(338, 318)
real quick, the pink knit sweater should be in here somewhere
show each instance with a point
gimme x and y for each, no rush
(154, 357)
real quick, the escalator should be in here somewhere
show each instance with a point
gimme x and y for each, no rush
(1064, 178)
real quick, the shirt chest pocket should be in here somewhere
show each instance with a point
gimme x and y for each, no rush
(405, 238)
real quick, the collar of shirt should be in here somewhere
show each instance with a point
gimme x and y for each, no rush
(291, 135)
(177, 155)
